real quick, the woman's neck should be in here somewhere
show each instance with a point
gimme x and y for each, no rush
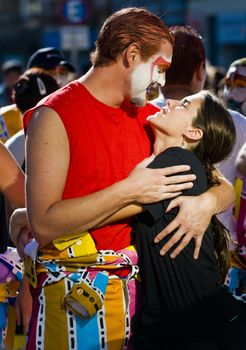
(162, 142)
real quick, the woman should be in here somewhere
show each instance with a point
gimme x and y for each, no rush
(187, 305)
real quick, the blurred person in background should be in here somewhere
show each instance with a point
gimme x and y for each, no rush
(31, 87)
(187, 72)
(239, 277)
(12, 187)
(215, 76)
(53, 62)
(187, 75)
(11, 70)
(241, 161)
(10, 118)
(235, 95)
(235, 85)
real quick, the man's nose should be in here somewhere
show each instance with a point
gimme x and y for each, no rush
(161, 79)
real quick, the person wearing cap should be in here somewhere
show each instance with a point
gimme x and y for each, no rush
(31, 87)
(10, 117)
(11, 70)
(53, 62)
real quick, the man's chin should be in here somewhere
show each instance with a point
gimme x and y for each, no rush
(138, 101)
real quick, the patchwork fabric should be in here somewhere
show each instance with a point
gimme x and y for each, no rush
(90, 295)
(10, 277)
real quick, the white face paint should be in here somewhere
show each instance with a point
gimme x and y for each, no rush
(140, 80)
(235, 84)
(150, 72)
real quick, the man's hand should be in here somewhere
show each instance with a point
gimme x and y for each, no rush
(191, 222)
(153, 185)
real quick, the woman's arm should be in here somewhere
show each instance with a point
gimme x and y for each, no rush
(47, 161)
(11, 179)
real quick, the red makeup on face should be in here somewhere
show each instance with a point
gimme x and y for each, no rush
(160, 61)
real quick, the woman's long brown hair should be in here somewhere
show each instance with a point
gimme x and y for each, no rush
(219, 135)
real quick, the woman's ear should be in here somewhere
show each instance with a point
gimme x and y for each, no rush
(132, 55)
(193, 134)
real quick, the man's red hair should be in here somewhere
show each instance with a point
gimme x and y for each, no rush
(127, 26)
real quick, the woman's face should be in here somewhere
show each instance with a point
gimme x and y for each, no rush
(177, 116)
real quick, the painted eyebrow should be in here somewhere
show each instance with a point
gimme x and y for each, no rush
(162, 62)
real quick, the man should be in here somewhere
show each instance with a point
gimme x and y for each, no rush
(82, 143)
(187, 73)
(54, 63)
(235, 85)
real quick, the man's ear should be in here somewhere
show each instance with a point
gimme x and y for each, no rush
(193, 134)
(132, 55)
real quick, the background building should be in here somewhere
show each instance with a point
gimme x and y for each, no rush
(72, 25)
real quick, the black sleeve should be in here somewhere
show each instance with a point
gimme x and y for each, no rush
(171, 157)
